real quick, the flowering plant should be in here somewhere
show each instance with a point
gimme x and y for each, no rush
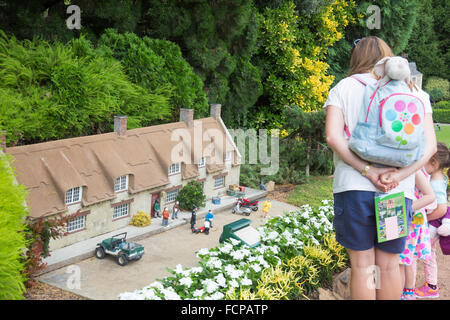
(234, 271)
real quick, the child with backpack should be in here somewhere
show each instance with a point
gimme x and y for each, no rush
(439, 181)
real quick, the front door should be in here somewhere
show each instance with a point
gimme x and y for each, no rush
(155, 196)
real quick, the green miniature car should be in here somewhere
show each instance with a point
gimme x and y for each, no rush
(118, 247)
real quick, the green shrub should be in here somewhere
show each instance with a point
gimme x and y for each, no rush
(154, 64)
(441, 115)
(12, 237)
(54, 90)
(190, 195)
(444, 104)
(435, 83)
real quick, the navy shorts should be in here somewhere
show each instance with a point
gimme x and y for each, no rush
(355, 223)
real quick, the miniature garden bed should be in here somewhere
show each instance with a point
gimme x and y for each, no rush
(298, 254)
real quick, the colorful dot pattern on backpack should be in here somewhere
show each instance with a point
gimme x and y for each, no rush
(403, 117)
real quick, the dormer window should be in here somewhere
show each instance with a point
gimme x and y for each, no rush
(175, 168)
(121, 183)
(73, 195)
(202, 162)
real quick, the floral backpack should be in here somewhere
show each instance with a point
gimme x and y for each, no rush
(390, 127)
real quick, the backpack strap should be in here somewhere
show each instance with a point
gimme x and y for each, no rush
(347, 132)
(358, 79)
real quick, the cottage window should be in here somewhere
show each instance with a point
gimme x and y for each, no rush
(121, 183)
(73, 195)
(175, 168)
(121, 210)
(219, 182)
(76, 224)
(202, 162)
(171, 196)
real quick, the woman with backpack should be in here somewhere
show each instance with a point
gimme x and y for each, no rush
(375, 272)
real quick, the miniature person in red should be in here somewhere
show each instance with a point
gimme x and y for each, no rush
(165, 217)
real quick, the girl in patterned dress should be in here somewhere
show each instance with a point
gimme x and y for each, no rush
(418, 244)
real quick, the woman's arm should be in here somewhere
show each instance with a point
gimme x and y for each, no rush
(427, 192)
(430, 150)
(334, 128)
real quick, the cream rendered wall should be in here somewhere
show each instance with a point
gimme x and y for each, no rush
(100, 220)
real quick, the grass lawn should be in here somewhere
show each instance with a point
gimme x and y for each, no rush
(443, 135)
(317, 189)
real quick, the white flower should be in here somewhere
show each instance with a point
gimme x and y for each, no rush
(202, 252)
(211, 285)
(246, 282)
(179, 268)
(221, 281)
(238, 255)
(234, 284)
(170, 294)
(196, 269)
(156, 284)
(217, 296)
(234, 241)
(256, 267)
(198, 293)
(226, 248)
(186, 282)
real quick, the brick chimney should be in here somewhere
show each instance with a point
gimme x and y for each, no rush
(120, 125)
(3, 140)
(187, 115)
(215, 110)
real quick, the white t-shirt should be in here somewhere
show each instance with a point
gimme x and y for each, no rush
(348, 96)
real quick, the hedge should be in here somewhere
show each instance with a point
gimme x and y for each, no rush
(441, 115)
(12, 237)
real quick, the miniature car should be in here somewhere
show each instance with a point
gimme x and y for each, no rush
(117, 246)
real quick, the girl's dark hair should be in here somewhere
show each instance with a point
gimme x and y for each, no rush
(442, 155)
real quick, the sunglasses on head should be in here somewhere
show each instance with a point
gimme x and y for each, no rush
(355, 42)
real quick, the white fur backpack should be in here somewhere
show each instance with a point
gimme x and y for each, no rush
(390, 127)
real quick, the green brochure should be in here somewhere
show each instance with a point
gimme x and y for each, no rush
(390, 213)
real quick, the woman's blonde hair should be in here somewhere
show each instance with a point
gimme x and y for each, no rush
(366, 52)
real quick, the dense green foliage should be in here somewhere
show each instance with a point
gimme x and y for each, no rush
(12, 237)
(157, 65)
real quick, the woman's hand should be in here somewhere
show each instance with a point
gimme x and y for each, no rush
(375, 175)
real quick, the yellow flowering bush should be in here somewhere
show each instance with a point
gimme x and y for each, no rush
(294, 49)
(141, 219)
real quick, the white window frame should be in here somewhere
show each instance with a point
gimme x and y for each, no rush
(70, 195)
(228, 155)
(202, 162)
(175, 168)
(171, 196)
(121, 183)
(120, 211)
(222, 183)
(76, 224)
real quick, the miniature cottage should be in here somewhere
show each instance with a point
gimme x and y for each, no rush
(107, 178)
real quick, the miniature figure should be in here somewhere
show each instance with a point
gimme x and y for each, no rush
(175, 210)
(165, 216)
(207, 225)
(209, 217)
(156, 209)
(266, 206)
(194, 217)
